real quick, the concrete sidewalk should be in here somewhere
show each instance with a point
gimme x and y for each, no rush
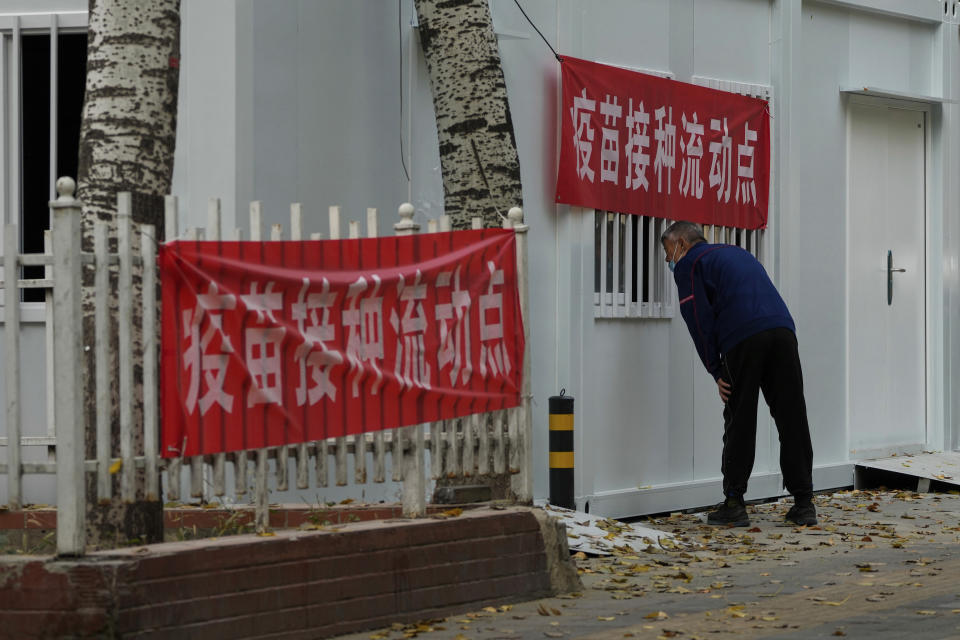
(879, 565)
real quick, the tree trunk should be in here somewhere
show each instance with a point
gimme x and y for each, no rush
(478, 152)
(127, 139)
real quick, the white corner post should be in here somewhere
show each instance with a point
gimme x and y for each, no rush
(523, 481)
(67, 344)
(409, 444)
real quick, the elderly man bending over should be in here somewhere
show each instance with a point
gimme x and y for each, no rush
(746, 339)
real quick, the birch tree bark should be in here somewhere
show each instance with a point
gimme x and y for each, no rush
(478, 151)
(127, 138)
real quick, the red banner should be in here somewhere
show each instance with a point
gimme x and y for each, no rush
(273, 343)
(635, 143)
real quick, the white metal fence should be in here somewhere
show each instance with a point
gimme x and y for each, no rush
(494, 443)
(64, 263)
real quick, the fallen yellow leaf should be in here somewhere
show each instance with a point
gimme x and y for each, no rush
(656, 615)
(833, 604)
(116, 466)
(606, 618)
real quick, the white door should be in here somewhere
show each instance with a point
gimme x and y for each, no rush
(886, 379)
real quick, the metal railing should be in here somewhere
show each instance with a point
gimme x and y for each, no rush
(493, 443)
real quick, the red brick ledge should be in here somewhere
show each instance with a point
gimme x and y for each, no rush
(300, 584)
(282, 516)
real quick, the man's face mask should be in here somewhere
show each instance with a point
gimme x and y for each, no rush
(673, 261)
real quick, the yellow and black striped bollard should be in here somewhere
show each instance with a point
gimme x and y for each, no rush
(561, 450)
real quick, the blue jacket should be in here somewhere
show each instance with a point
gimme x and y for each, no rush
(725, 297)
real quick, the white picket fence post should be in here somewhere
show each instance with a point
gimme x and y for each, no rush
(523, 480)
(408, 445)
(11, 320)
(67, 340)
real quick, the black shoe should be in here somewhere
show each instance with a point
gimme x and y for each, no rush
(802, 514)
(731, 512)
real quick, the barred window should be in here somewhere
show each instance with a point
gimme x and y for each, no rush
(43, 59)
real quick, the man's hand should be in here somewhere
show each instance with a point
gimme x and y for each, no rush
(724, 388)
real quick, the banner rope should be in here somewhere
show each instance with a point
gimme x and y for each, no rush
(555, 54)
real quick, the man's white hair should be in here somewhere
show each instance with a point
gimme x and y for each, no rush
(688, 231)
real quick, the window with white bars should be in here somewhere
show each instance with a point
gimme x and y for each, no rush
(43, 59)
(630, 277)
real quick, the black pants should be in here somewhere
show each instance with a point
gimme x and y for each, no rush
(767, 362)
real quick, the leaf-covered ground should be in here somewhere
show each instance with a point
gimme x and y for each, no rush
(878, 565)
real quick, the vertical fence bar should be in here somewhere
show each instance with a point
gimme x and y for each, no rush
(71, 492)
(359, 440)
(171, 232)
(629, 226)
(261, 495)
(604, 263)
(513, 414)
(414, 501)
(499, 459)
(240, 459)
(441, 433)
(654, 243)
(302, 454)
(334, 217)
(323, 476)
(320, 447)
(660, 273)
(170, 221)
(256, 221)
(125, 346)
(282, 459)
(14, 138)
(340, 460)
(296, 221)
(260, 492)
(434, 444)
(151, 436)
(11, 327)
(214, 232)
(54, 104)
(48, 336)
(523, 481)
(196, 462)
(615, 239)
(471, 424)
(379, 446)
(476, 428)
(101, 332)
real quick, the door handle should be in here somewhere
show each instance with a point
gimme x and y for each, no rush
(890, 272)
